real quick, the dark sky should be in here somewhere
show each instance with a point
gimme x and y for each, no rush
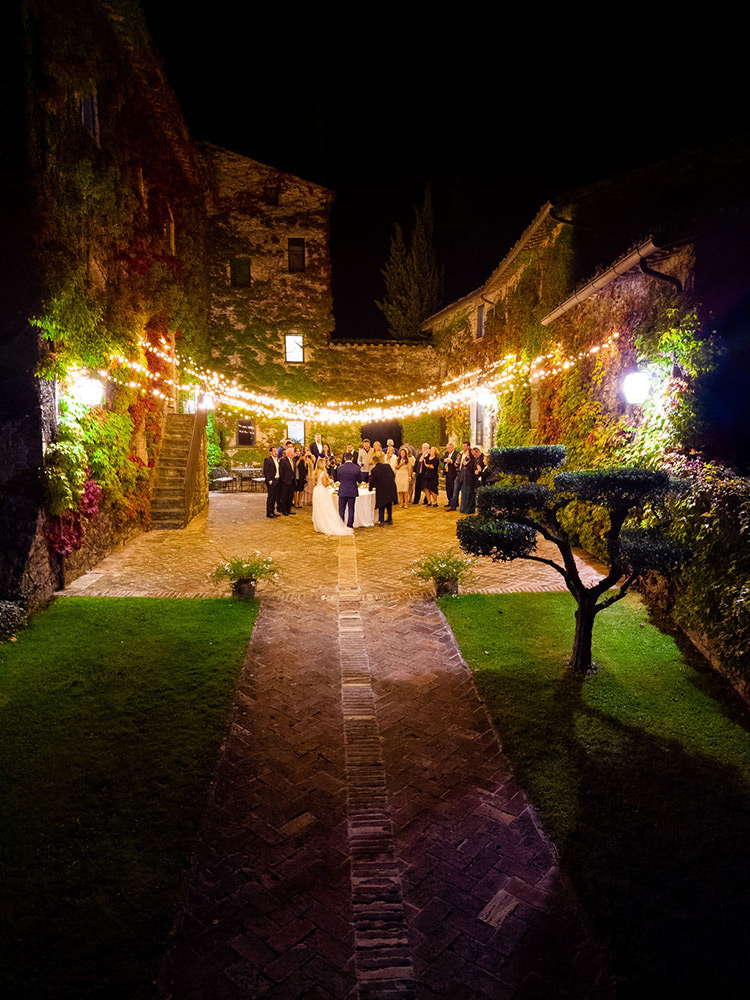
(500, 115)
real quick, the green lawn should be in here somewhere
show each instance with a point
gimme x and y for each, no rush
(112, 714)
(641, 775)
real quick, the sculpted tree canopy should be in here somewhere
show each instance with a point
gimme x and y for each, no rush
(511, 516)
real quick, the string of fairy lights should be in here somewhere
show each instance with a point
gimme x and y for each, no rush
(484, 384)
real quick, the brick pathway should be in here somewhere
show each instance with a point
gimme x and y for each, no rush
(364, 837)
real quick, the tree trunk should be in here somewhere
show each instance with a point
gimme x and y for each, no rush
(580, 660)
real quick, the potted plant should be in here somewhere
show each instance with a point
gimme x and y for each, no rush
(447, 569)
(244, 573)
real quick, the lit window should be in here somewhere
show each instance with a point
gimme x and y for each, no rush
(295, 351)
(90, 115)
(480, 322)
(239, 272)
(295, 431)
(296, 254)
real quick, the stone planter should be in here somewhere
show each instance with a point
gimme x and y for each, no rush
(446, 588)
(243, 590)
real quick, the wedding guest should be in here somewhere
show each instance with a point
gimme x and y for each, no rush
(383, 482)
(287, 474)
(377, 449)
(309, 462)
(391, 457)
(271, 476)
(328, 458)
(364, 458)
(430, 466)
(449, 465)
(462, 464)
(300, 475)
(403, 476)
(418, 473)
(283, 447)
(317, 446)
(473, 474)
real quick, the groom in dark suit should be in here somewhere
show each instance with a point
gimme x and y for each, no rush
(348, 475)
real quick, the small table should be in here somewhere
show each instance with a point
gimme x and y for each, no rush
(252, 475)
(364, 508)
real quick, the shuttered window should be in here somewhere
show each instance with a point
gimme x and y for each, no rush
(296, 254)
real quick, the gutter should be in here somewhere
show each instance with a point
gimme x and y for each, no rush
(646, 249)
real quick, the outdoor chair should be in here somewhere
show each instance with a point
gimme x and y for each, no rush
(220, 479)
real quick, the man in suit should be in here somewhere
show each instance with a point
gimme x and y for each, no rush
(287, 473)
(473, 477)
(348, 475)
(317, 447)
(449, 464)
(271, 476)
(463, 466)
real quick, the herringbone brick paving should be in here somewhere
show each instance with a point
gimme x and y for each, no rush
(364, 836)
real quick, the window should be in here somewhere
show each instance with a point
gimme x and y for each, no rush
(271, 194)
(295, 431)
(295, 350)
(246, 433)
(479, 424)
(239, 272)
(480, 322)
(296, 254)
(169, 230)
(90, 116)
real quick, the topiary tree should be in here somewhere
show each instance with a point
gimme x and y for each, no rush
(510, 517)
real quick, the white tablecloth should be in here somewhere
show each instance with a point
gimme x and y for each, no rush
(364, 509)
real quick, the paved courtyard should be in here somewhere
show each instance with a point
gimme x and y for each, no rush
(364, 836)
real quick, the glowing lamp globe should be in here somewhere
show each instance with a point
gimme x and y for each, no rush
(207, 403)
(636, 387)
(89, 391)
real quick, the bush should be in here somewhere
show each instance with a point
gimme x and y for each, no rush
(12, 618)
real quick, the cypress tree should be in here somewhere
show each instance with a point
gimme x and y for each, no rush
(413, 278)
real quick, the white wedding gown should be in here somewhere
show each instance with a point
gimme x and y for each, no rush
(325, 517)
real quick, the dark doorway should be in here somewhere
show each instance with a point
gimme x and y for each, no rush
(382, 430)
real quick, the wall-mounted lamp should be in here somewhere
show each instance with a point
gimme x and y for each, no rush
(636, 387)
(207, 402)
(89, 391)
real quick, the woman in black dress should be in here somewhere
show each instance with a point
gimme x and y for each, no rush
(430, 477)
(383, 481)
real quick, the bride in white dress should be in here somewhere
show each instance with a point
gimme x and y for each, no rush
(325, 517)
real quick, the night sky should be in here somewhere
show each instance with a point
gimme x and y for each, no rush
(499, 115)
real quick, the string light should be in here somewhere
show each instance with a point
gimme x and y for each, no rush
(501, 376)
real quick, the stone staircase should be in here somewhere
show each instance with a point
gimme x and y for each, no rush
(168, 500)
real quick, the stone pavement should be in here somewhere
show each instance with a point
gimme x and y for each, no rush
(364, 836)
(177, 563)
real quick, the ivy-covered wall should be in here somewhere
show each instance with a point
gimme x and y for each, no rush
(105, 204)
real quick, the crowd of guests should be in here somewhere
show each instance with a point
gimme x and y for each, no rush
(292, 472)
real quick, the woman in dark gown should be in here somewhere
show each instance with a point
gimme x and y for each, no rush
(430, 477)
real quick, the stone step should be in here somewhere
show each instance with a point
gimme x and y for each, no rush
(167, 525)
(167, 490)
(167, 504)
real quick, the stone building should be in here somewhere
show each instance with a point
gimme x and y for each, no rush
(118, 229)
(647, 270)
(271, 306)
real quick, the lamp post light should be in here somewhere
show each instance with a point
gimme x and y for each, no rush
(636, 387)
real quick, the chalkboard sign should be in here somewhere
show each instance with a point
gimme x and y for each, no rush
(246, 432)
